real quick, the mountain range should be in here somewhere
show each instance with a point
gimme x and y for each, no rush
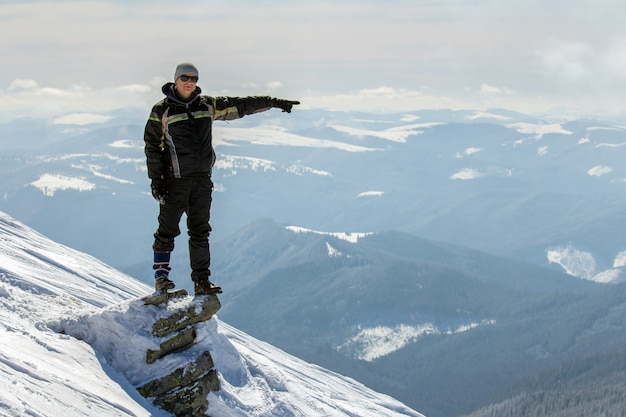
(533, 189)
(444, 327)
(464, 262)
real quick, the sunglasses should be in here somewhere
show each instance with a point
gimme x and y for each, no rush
(185, 78)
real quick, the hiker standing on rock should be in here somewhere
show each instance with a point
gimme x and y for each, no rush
(180, 157)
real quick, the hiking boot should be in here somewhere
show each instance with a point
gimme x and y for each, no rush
(163, 283)
(206, 287)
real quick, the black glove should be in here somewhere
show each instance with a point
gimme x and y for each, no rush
(159, 190)
(284, 105)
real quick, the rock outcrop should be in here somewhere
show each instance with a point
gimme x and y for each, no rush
(184, 391)
(161, 343)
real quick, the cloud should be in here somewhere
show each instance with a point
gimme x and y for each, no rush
(273, 85)
(81, 119)
(383, 99)
(134, 88)
(27, 98)
(613, 59)
(21, 84)
(567, 60)
(591, 71)
(489, 89)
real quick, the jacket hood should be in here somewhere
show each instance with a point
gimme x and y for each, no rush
(170, 93)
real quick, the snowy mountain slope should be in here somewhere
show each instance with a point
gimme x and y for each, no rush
(46, 286)
(45, 373)
(31, 262)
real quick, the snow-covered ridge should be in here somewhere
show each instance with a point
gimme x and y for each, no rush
(394, 134)
(45, 286)
(370, 194)
(583, 265)
(472, 173)
(232, 164)
(277, 136)
(88, 167)
(348, 237)
(49, 184)
(374, 342)
(126, 144)
(539, 129)
(486, 115)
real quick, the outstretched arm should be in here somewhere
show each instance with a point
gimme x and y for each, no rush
(229, 108)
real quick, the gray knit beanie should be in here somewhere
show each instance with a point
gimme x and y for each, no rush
(185, 68)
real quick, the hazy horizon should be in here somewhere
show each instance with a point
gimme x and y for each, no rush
(549, 57)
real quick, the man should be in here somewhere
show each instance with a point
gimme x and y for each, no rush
(180, 156)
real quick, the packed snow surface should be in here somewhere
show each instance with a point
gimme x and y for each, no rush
(67, 322)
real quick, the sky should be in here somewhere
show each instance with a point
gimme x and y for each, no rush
(540, 57)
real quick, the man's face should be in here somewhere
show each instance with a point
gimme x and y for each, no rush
(185, 85)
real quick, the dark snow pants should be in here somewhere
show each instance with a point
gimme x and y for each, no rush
(191, 196)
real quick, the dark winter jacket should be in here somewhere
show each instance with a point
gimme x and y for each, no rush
(178, 135)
